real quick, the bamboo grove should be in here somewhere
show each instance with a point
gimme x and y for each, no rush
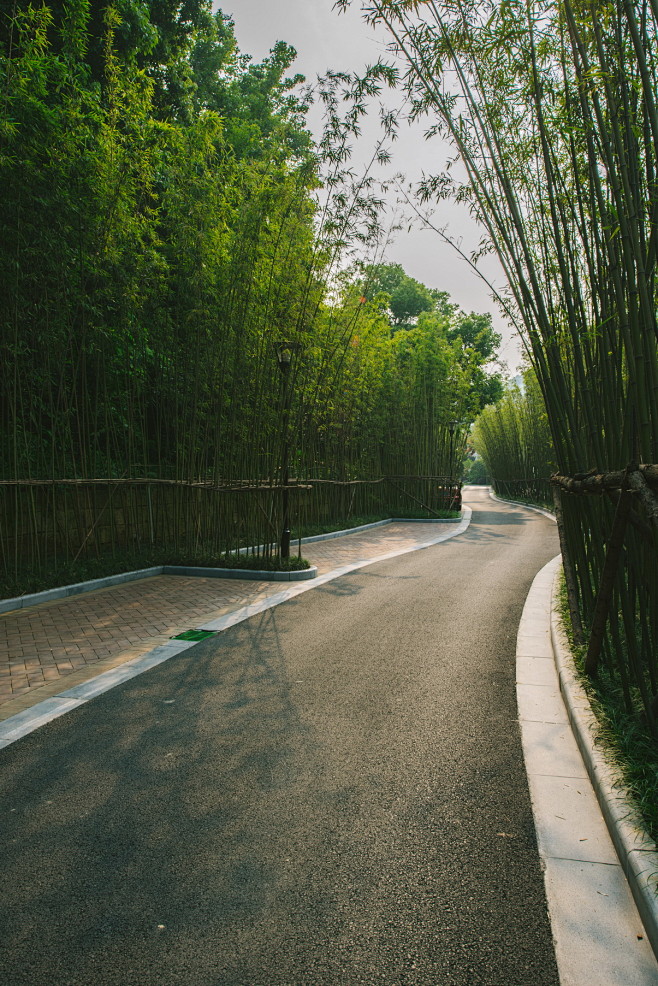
(166, 222)
(552, 109)
(514, 440)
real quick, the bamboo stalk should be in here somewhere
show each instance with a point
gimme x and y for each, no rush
(608, 576)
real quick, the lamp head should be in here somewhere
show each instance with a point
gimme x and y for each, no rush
(284, 354)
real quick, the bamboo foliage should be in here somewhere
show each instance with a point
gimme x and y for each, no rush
(514, 440)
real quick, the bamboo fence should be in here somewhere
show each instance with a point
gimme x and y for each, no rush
(614, 607)
(44, 523)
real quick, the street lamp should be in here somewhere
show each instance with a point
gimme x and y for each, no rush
(452, 425)
(284, 354)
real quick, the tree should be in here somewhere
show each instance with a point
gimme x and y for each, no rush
(475, 334)
(262, 112)
(407, 297)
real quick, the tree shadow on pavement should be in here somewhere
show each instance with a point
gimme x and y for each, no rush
(156, 816)
(350, 584)
(514, 518)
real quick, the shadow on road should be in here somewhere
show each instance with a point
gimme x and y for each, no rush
(352, 585)
(170, 819)
(513, 518)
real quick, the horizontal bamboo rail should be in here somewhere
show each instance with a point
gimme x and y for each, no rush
(597, 483)
(440, 480)
(179, 484)
(247, 486)
(347, 482)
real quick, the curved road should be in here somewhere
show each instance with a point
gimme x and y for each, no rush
(332, 792)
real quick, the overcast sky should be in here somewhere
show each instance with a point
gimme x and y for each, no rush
(324, 39)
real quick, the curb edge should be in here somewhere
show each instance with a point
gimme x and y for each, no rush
(637, 853)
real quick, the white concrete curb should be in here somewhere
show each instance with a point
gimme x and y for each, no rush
(245, 574)
(635, 849)
(597, 927)
(64, 591)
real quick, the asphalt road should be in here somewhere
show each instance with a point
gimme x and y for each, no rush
(332, 792)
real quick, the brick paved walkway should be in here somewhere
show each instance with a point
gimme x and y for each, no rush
(82, 636)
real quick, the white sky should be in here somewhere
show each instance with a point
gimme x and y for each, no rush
(324, 39)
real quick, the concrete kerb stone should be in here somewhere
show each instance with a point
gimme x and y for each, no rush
(424, 520)
(332, 535)
(26, 722)
(63, 592)
(248, 574)
(637, 852)
(79, 588)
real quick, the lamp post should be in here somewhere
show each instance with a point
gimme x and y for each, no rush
(284, 354)
(452, 425)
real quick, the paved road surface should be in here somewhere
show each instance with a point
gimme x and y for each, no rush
(330, 793)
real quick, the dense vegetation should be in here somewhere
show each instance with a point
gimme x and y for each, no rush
(513, 438)
(166, 221)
